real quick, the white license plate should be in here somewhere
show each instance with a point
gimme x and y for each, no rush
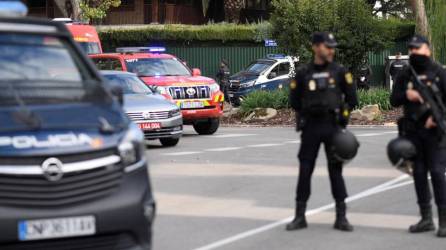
(192, 105)
(57, 228)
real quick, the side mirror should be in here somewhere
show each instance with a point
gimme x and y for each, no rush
(196, 72)
(272, 75)
(118, 93)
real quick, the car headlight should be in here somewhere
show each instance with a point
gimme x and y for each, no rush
(214, 87)
(161, 90)
(248, 84)
(131, 148)
(175, 112)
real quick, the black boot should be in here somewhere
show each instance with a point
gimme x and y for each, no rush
(426, 223)
(441, 222)
(299, 221)
(341, 222)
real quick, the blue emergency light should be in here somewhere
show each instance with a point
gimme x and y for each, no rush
(129, 50)
(276, 56)
(13, 9)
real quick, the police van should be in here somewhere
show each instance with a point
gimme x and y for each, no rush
(73, 174)
(270, 73)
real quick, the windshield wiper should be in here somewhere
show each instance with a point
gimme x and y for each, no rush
(25, 115)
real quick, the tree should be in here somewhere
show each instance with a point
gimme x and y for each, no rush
(389, 8)
(419, 9)
(435, 11)
(351, 21)
(96, 9)
(232, 10)
(69, 8)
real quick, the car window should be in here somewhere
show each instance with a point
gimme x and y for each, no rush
(90, 47)
(284, 69)
(108, 64)
(258, 67)
(157, 67)
(130, 84)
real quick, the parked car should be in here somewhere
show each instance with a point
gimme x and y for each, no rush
(156, 116)
(267, 74)
(199, 98)
(72, 170)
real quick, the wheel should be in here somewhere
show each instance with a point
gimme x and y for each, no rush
(169, 142)
(208, 127)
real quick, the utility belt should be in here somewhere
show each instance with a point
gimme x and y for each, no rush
(339, 117)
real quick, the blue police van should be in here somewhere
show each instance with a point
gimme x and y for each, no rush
(266, 74)
(73, 173)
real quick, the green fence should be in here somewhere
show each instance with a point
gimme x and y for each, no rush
(208, 58)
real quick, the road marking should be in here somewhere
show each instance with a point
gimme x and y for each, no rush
(222, 149)
(232, 135)
(183, 153)
(264, 145)
(372, 191)
(292, 142)
(377, 134)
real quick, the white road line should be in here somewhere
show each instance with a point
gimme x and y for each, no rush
(377, 134)
(231, 135)
(292, 142)
(183, 153)
(222, 149)
(265, 145)
(375, 190)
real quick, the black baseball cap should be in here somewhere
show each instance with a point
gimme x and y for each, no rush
(417, 41)
(324, 37)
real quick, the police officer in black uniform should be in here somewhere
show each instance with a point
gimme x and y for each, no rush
(419, 127)
(222, 76)
(397, 66)
(318, 94)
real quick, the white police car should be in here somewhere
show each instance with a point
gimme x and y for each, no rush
(267, 74)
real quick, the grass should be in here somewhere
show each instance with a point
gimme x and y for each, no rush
(279, 100)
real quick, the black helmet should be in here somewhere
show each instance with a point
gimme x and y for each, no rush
(344, 145)
(400, 150)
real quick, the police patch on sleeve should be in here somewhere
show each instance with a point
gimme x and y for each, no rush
(349, 78)
(293, 84)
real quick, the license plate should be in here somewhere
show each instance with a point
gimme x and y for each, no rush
(192, 105)
(149, 125)
(57, 228)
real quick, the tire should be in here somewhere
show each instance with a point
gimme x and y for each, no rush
(169, 142)
(208, 127)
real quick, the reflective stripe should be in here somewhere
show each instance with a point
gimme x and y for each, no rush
(66, 168)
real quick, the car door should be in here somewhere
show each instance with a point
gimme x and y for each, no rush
(277, 78)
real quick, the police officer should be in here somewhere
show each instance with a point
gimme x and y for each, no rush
(223, 77)
(397, 66)
(318, 93)
(419, 127)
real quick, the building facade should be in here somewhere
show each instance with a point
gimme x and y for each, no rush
(163, 11)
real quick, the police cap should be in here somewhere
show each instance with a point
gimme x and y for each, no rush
(324, 37)
(417, 41)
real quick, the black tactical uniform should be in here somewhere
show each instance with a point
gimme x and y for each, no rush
(431, 157)
(222, 76)
(396, 67)
(320, 95)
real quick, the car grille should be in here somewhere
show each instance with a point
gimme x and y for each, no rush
(196, 92)
(102, 242)
(140, 116)
(159, 133)
(74, 187)
(234, 86)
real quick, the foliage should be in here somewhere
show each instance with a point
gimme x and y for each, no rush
(374, 96)
(265, 99)
(386, 8)
(351, 21)
(140, 35)
(436, 10)
(96, 9)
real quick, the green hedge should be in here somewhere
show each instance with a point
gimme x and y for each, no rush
(279, 99)
(140, 35)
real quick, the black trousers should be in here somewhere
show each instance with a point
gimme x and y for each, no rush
(313, 135)
(431, 158)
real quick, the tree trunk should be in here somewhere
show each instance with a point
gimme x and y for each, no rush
(419, 9)
(69, 8)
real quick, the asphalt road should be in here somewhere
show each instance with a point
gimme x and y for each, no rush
(235, 190)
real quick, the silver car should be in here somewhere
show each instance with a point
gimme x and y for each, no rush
(156, 116)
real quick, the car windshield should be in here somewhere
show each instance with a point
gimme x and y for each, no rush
(130, 84)
(157, 67)
(258, 67)
(90, 48)
(40, 69)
